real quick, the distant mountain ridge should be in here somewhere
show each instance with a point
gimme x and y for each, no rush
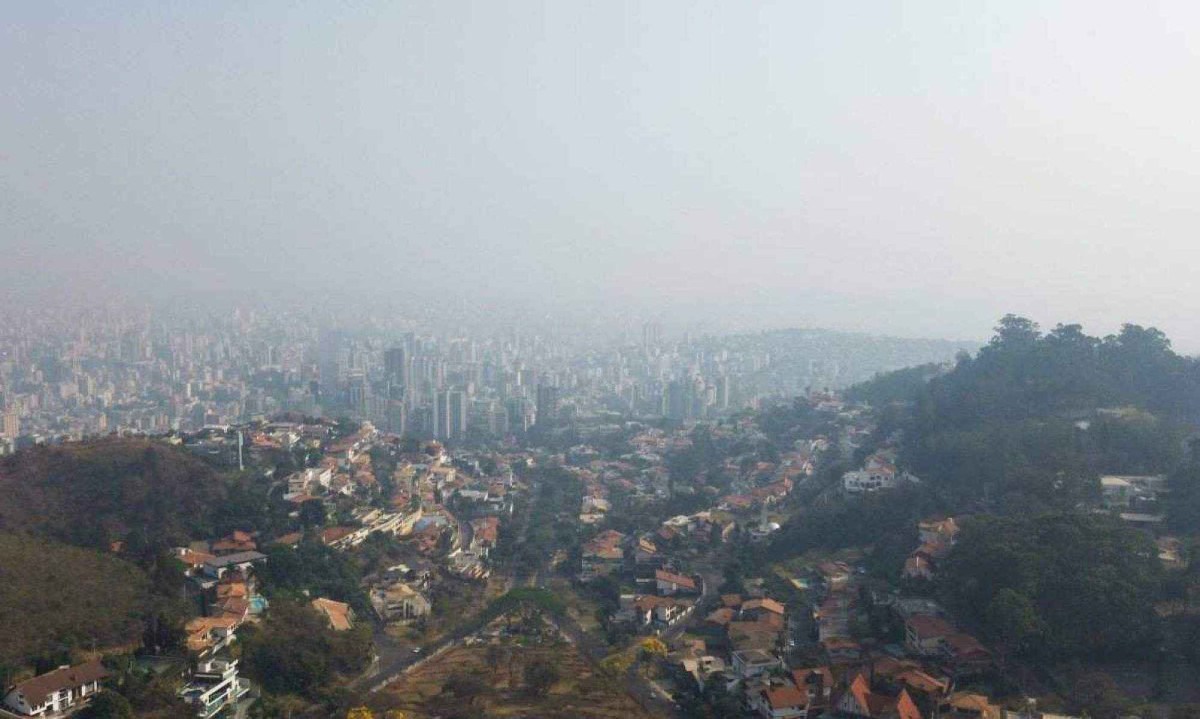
(803, 359)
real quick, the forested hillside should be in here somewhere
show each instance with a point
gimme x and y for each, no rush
(55, 598)
(94, 493)
(1030, 421)
(1051, 586)
(1013, 441)
(1024, 373)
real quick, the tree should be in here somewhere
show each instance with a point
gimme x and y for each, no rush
(1017, 619)
(464, 686)
(1097, 695)
(312, 513)
(107, 705)
(652, 647)
(540, 676)
(294, 651)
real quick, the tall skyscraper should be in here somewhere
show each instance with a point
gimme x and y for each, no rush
(332, 354)
(397, 416)
(457, 402)
(547, 405)
(724, 391)
(440, 415)
(358, 394)
(396, 366)
(449, 414)
(677, 401)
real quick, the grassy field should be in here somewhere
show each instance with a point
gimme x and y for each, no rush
(577, 694)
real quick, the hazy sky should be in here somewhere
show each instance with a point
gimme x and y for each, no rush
(917, 168)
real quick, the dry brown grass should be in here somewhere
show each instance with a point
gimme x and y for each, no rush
(578, 694)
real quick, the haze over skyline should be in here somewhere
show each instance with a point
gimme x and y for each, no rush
(907, 169)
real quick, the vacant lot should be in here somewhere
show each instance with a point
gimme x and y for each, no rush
(577, 694)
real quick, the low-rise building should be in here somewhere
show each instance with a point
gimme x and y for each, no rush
(399, 602)
(62, 690)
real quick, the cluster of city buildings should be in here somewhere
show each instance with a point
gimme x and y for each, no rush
(69, 374)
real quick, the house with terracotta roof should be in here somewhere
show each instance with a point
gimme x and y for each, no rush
(485, 533)
(207, 635)
(344, 537)
(931, 636)
(859, 701)
(192, 559)
(721, 617)
(236, 542)
(919, 683)
(339, 614)
(817, 685)
(778, 700)
(671, 583)
(602, 555)
(968, 705)
(924, 633)
(291, 539)
(62, 690)
(758, 609)
(659, 611)
(841, 650)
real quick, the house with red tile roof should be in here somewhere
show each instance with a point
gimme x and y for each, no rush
(671, 583)
(339, 614)
(62, 690)
(778, 700)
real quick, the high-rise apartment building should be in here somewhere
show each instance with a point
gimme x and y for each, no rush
(547, 405)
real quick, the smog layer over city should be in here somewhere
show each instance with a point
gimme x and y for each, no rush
(795, 360)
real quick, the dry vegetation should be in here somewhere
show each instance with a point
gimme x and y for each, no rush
(93, 493)
(578, 694)
(55, 599)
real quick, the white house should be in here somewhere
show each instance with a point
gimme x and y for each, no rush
(213, 687)
(752, 663)
(64, 689)
(217, 566)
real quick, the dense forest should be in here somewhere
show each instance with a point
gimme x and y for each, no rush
(1055, 586)
(1028, 423)
(1024, 373)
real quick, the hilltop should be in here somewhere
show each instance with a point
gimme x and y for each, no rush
(1028, 422)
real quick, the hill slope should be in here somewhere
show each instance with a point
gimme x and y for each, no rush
(54, 599)
(93, 493)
